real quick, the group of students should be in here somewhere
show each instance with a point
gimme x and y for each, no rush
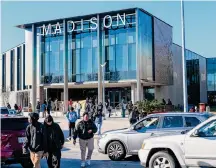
(47, 140)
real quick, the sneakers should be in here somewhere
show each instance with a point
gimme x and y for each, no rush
(88, 162)
(82, 164)
(69, 138)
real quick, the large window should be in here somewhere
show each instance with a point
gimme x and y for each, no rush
(119, 50)
(211, 80)
(19, 54)
(172, 122)
(12, 70)
(23, 65)
(3, 72)
(145, 45)
(193, 77)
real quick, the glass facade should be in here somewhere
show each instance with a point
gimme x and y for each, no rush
(118, 50)
(19, 53)
(211, 80)
(145, 45)
(23, 65)
(193, 77)
(3, 72)
(12, 70)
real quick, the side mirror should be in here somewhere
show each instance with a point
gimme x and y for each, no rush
(196, 133)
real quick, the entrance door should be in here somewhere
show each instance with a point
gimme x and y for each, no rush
(115, 98)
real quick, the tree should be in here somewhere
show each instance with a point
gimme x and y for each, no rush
(146, 106)
(6, 95)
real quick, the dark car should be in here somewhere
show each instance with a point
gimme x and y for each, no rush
(4, 111)
(12, 138)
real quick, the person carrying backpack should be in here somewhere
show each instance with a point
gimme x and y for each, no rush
(72, 118)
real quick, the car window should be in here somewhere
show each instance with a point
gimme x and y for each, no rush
(191, 121)
(14, 124)
(209, 130)
(148, 123)
(4, 111)
(172, 121)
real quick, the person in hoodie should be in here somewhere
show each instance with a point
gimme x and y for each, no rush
(36, 141)
(72, 118)
(55, 142)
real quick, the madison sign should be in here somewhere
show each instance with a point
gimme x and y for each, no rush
(107, 23)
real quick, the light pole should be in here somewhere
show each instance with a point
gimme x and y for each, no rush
(184, 70)
(103, 69)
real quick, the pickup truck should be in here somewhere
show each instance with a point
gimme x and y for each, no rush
(195, 148)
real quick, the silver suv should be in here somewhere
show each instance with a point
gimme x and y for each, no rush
(119, 143)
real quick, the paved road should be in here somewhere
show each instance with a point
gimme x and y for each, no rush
(71, 153)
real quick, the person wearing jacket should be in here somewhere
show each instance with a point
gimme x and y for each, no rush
(85, 130)
(72, 118)
(35, 140)
(55, 142)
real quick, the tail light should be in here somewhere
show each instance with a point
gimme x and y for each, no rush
(4, 137)
(5, 141)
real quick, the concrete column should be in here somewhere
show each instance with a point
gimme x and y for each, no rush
(65, 44)
(133, 93)
(99, 54)
(138, 55)
(34, 67)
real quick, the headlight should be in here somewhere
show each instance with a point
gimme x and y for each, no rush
(103, 135)
(143, 145)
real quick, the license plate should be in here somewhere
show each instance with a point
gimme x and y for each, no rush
(21, 139)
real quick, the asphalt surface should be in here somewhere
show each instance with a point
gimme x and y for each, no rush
(71, 153)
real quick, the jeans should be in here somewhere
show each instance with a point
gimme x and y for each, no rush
(98, 125)
(123, 113)
(78, 113)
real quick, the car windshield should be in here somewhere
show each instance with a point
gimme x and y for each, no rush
(14, 124)
(4, 111)
(148, 123)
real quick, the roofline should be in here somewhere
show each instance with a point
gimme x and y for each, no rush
(13, 48)
(191, 51)
(27, 25)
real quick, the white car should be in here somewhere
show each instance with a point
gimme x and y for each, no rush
(196, 148)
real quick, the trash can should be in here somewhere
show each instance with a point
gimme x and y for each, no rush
(202, 107)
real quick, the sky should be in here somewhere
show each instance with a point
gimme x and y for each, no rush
(200, 22)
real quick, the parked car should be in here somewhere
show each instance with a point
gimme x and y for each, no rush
(197, 148)
(119, 143)
(12, 138)
(4, 111)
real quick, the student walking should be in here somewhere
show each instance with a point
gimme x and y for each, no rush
(43, 109)
(85, 130)
(36, 141)
(55, 142)
(72, 118)
(99, 117)
(78, 109)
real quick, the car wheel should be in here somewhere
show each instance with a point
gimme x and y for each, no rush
(116, 151)
(162, 159)
(27, 163)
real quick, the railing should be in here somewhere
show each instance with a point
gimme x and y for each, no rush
(88, 77)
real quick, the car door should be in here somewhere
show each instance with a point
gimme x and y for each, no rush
(142, 130)
(172, 125)
(200, 148)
